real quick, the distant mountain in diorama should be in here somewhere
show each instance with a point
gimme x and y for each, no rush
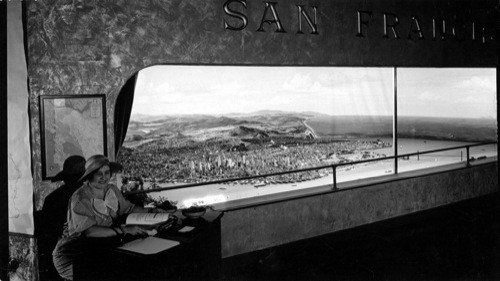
(438, 128)
(272, 124)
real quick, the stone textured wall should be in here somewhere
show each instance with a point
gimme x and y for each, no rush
(265, 226)
(23, 249)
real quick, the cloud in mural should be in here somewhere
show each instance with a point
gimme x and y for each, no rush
(177, 89)
(479, 83)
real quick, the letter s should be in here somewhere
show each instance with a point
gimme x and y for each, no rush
(235, 14)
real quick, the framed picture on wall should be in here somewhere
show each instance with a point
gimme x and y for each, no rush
(71, 125)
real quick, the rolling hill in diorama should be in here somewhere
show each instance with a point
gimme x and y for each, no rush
(299, 125)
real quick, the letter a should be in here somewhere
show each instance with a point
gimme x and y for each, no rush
(276, 20)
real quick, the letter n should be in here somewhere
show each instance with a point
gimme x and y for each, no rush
(442, 29)
(302, 13)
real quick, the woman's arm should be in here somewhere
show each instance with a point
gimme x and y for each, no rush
(138, 209)
(127, 207)
(103, 231)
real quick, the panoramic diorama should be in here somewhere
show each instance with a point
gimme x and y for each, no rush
(258, 127)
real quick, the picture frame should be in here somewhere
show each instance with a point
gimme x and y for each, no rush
(71, 125)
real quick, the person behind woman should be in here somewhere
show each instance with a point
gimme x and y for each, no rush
(49, 222)
(93, 212)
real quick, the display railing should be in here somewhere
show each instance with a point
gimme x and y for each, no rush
(468, 160)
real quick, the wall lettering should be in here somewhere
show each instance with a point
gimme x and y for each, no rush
(312, 24)
(393, 23)
(416, 28)
(235, 14)
(442, 30)
(270, 16)
(460, 30)
(363, 19)
(276, 20)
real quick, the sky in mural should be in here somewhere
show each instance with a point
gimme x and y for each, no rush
(218, 90)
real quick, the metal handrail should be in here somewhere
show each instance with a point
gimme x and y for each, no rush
(333, 166)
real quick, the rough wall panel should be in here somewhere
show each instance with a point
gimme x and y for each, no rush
(23, 250)
(275, 224)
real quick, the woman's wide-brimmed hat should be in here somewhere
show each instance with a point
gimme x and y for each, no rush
(95, 162)
(73, 168)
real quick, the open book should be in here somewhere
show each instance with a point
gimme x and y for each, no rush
(149, 220)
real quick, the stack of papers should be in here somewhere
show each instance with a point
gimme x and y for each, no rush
(149, 245)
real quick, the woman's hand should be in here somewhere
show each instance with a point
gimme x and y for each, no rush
(157, 210)
(133, 230)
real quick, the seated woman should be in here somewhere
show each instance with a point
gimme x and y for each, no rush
(93, 212)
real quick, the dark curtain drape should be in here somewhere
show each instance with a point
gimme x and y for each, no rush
(123, 107)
